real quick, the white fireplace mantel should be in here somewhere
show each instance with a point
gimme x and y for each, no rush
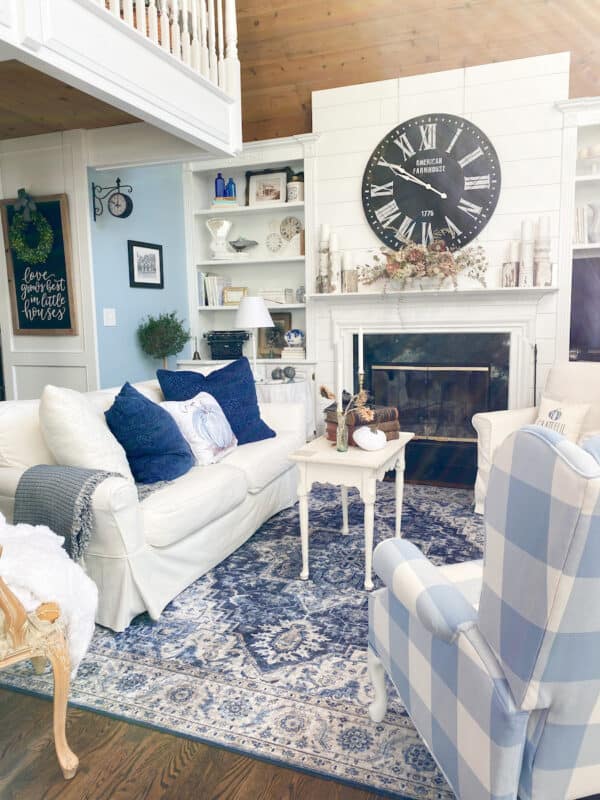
(510, 311)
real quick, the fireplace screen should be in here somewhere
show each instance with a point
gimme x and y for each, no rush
(437, 403)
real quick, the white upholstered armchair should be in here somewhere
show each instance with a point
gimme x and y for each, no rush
(575, 382)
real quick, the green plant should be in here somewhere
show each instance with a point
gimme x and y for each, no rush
(162, 336)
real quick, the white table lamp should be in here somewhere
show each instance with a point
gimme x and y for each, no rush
(253, 313)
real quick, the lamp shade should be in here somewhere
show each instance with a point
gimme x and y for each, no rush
(253, 313)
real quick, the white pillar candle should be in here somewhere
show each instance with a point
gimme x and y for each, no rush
(340, 377)
(514, 251)
(325, 231)
(544, 228)
(360, 350)
(527, 230)
(346, 260)
(334, 243)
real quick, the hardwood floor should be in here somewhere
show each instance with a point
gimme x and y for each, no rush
(121, 761)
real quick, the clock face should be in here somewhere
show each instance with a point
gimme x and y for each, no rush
(120, 205)
(435, 174)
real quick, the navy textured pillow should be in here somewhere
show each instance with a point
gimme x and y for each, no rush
(153, 443)
(234, 390)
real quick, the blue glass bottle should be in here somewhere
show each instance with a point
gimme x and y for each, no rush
(230, 189)
(219, 186)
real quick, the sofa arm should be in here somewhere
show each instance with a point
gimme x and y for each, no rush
(493, 428)
(422, 589)
(285, 417)
(9, 480)
(118, 528)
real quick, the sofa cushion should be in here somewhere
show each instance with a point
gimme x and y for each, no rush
(562, 417)
(155, 448)
(262, 462)
(234, 390)
(21, 442)
(192, 502)
(77, 434)
(204, 426)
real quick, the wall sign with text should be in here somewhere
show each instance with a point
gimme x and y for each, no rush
(40, 290)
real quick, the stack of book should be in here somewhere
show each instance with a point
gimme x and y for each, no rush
(293, 354)
(386, 420)
(210, 289)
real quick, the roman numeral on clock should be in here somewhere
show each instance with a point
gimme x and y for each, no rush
(388, 213)
(405, 230)
(454, 230)
(383, 190)
(426, 233)
(454, 138)
(477, 182)
(465, 160)
(405, 146)
(428, 136)
(469, 208)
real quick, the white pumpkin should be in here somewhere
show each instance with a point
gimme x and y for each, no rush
(368, 439)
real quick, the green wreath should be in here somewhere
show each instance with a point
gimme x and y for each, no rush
(23, 251)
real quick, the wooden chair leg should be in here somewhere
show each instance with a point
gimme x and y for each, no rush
(39, 664)
(59, 658)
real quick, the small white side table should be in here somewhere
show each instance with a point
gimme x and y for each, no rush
(320, 462)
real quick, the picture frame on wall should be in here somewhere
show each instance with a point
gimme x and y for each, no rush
(267, 187)
(271, 341)
(145, 265)
(232, 295)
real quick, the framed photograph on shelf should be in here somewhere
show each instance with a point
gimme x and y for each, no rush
(267, 187)
(145, 265)
(233, 294)
(271, 341)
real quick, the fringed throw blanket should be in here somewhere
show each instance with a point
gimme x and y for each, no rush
(61, 498)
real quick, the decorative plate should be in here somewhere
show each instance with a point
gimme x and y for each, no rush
(290, 227)
(274, 243)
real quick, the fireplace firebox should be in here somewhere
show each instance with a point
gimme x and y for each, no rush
(438, 382)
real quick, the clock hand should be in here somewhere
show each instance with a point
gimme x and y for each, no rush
(408, 176)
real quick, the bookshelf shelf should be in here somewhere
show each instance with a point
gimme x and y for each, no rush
(270, 306)
(248, 262)
(260, 209)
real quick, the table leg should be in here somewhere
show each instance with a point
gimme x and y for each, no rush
(399, 492)
(345, 528)
(303, 510)
(368, 497)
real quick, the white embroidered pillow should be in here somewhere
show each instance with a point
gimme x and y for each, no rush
(564, 418)
(204, 426)
(76, 433)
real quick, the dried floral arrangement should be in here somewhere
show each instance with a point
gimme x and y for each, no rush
(415, 262)
(355, 402)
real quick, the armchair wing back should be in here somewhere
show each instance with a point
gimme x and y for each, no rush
(534, 642)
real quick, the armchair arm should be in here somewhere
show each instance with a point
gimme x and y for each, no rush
(422, 589)
(118, 528)
(492, 429)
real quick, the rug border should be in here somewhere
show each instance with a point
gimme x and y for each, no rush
(238, 750)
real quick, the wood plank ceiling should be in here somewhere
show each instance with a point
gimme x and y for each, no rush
(32, 103)
(289, 48)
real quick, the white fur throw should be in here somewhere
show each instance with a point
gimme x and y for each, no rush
(38, 570)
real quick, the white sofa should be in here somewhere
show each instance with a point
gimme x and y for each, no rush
(575, 382)
(142, 554)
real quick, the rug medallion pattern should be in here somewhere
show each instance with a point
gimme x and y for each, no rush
(251, 658)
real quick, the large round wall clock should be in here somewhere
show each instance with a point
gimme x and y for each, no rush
(437, 175)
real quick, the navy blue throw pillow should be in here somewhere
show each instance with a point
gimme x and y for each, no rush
(153, 444)
(234, 390)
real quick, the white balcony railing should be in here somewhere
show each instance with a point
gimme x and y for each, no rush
(199, 33)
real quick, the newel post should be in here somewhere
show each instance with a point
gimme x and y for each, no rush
(232, 64)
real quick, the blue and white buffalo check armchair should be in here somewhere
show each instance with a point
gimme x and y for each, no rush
(498, 663)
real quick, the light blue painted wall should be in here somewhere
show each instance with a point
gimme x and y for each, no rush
(157, 217)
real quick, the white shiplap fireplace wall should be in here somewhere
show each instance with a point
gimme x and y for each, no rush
(514, 104)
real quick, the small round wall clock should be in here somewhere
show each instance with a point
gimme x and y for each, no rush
(433, 176)
(120, 205)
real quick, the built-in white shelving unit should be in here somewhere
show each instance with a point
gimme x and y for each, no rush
(277, 262)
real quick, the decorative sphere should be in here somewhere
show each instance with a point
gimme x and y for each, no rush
(289, 373)
(277, 374)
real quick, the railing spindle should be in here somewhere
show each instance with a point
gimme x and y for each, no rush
(213, 67)
(231, 54)
(152, 21)
(204, 66)
(195, 54)
(165, 36)
(113, 7)
(185, 33)
(175, 30)
(220, 45)
(128, 12)
(140, 16)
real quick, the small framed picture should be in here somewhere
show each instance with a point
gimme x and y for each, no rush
(145, 265)
(271, 341)
(268, 187)
(233, 294)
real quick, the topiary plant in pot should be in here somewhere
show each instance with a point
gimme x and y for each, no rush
(162, 336)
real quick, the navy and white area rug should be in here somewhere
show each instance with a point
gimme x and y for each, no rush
(253, 659)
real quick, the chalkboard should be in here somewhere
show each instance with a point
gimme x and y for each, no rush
(40, 294)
